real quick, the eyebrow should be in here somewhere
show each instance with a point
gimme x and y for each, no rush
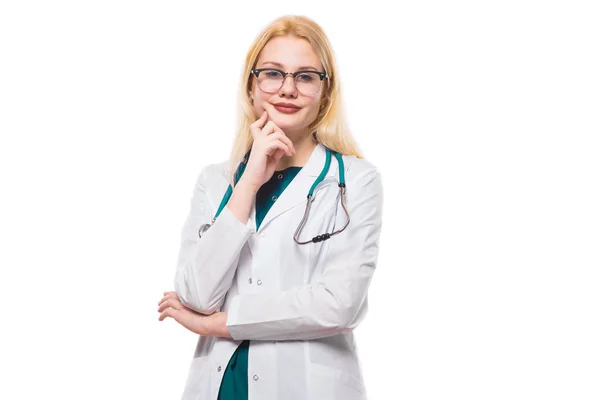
(281, 65)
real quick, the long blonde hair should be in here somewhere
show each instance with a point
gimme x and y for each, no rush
(329, 127)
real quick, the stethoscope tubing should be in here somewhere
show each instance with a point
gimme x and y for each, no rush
(309, 198)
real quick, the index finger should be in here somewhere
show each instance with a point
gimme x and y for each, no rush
(260, 122)
(286, 139)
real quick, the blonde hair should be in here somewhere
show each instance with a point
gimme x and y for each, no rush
(329, 127)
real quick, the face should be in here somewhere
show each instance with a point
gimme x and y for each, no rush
(288, 54)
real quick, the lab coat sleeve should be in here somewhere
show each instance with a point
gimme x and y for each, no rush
(206, 266)
(337, 302)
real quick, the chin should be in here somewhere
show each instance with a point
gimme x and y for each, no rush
(287, 122)
(284, 119)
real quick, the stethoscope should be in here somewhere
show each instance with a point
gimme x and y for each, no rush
(309, 197)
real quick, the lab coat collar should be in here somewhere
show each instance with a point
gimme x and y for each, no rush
(297, 190)
(316, 162)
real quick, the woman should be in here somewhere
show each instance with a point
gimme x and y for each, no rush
(275, 317)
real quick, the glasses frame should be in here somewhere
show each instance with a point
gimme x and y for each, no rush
(322, 75)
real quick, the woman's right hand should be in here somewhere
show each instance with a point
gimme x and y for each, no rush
(270, 144)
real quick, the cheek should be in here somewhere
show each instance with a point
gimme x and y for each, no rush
(259, 102)
(259, 107)
(313, 111)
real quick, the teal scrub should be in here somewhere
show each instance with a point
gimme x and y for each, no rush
(234, 385)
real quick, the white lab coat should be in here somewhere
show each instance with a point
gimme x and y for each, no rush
(298, 304)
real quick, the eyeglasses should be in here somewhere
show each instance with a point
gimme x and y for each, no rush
(307, 82)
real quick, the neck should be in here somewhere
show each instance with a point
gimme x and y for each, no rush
(304, 148)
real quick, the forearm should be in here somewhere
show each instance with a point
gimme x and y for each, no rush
(304, 313)
(218, 325)
(207, 265)
(242, 200)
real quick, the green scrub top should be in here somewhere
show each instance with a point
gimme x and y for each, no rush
(234, 385)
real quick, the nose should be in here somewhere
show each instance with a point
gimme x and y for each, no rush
(289, 86)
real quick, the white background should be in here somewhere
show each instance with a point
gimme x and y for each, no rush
(483, 118)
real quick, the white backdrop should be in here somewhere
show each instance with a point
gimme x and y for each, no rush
(483, 118)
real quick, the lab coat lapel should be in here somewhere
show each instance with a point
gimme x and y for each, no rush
(297, 190)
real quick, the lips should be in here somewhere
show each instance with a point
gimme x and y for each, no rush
(286, 110)
(287, 105)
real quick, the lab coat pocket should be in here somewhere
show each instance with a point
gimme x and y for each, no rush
(197, 385)
(335, 384)
(336, 356)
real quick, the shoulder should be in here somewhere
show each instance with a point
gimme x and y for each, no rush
(364, 191)
(214, 174)
(360, 169)
(364, 184)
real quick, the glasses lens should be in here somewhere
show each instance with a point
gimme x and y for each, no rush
(308, 83)
(269, 80)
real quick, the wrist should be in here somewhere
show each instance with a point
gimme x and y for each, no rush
(218, 326)
(247, 186)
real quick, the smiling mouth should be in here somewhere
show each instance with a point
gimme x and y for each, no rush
(286, 110)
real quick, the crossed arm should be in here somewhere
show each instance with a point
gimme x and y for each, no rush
(206, 325)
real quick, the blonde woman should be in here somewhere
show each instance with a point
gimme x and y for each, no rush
(281, 242)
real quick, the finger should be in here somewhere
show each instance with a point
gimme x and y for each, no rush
(173, 303)
(261, 120)
(286, 140)
(270, 128)
(168, 296)
(281, 138)
(169, 312)
(163, 315)
(257, 125)
(278, 154)
(170, 303)
(276, 145)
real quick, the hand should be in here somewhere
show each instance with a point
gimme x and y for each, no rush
(270, 144)
(170, 306)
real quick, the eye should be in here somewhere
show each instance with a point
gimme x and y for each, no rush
(306, 77)
(271, 74)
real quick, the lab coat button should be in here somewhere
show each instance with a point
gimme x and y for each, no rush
(259, 282)
(262, 235)
(255, 377)
(219, 368)
(249, 280)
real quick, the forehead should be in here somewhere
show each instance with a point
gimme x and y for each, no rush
(292, 53)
